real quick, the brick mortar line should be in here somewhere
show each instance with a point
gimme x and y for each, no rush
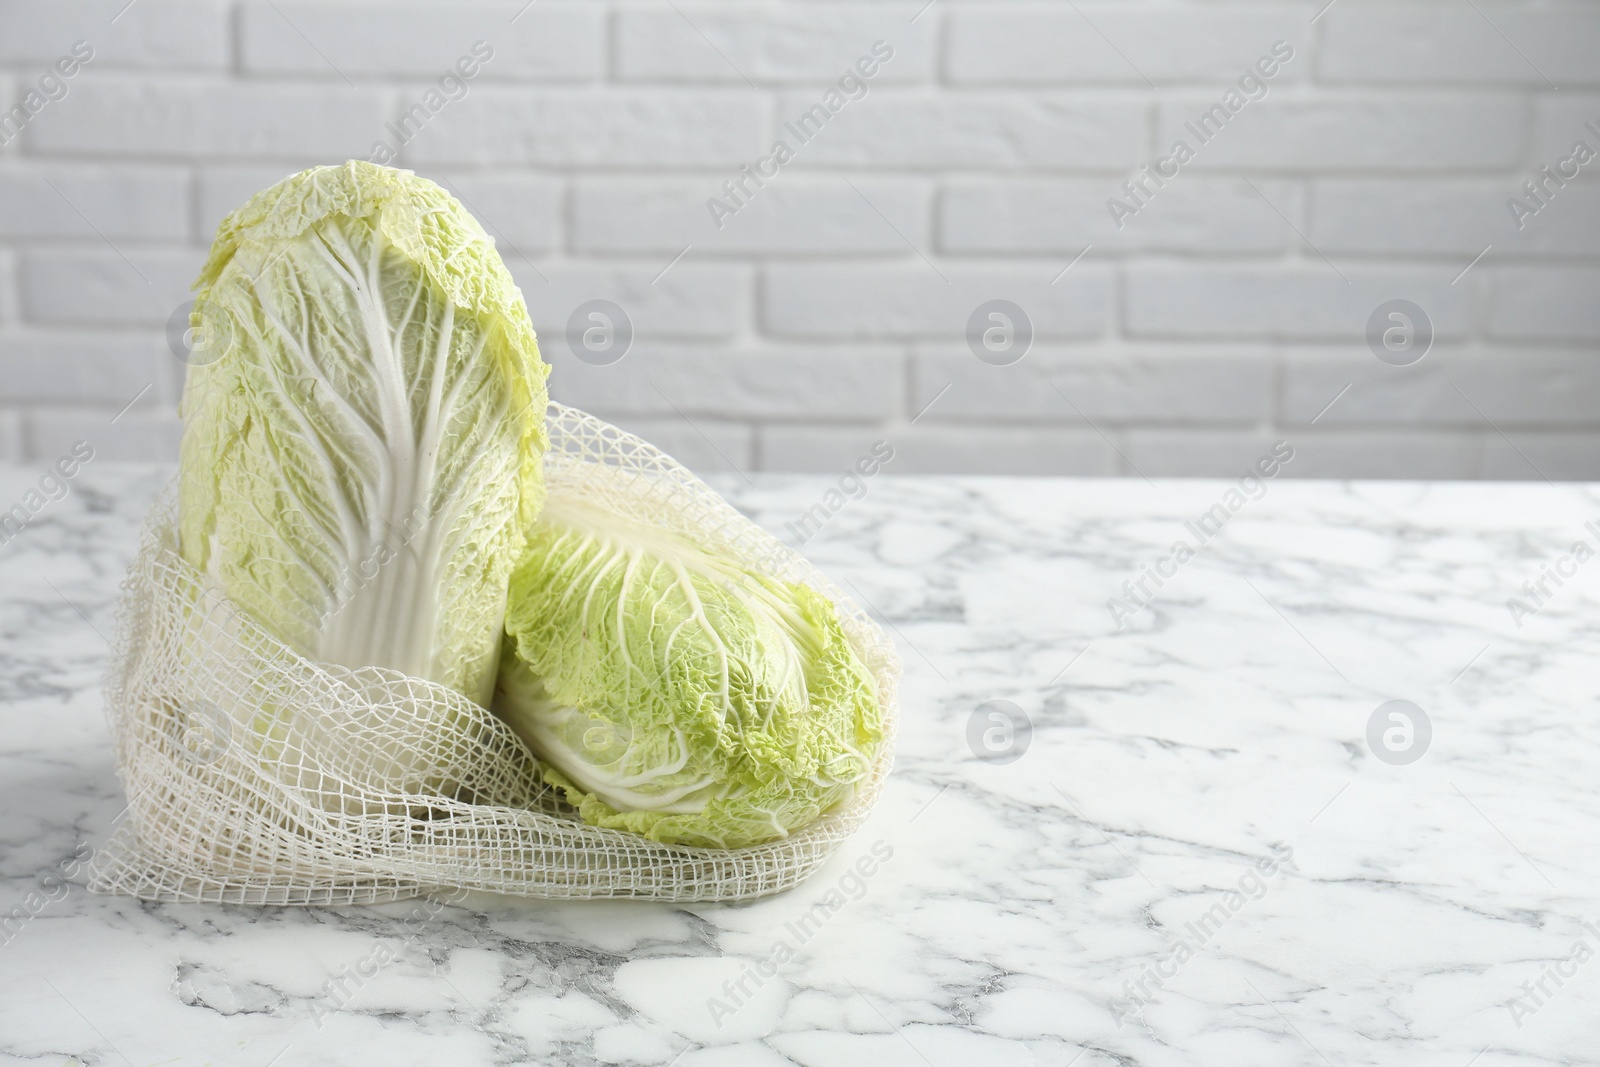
(1466, 426)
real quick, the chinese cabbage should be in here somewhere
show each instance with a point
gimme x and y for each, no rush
(673, 692)
(362, 444)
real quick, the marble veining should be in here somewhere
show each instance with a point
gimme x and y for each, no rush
(1198, 858)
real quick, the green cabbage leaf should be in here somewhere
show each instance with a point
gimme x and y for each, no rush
(669, 691)
(362, 442)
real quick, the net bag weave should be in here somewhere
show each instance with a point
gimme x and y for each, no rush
(255, 776)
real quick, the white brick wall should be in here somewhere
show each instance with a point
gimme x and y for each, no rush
(832, 309)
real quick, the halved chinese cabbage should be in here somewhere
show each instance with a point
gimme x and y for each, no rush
(362, 443)
(670, 691)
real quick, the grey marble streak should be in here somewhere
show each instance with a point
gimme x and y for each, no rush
(1222, 725)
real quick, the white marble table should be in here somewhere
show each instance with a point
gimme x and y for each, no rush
(1098, 900)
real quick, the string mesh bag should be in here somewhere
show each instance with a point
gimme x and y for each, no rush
(256, 776)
